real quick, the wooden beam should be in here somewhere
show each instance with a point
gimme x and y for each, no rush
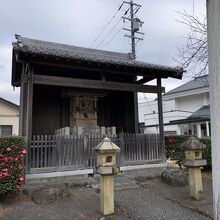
(94, 84)
(160, 116)
(100, 68)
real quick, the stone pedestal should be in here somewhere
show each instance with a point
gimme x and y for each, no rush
(193, 151)
(107, 168)
(106, 195)
(195, 183)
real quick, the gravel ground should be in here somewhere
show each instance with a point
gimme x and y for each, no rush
(82, 204)
(145, 204)
(146, 199)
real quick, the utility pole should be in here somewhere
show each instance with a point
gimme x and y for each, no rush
(135, 24)
(132, 29)
(213, 17)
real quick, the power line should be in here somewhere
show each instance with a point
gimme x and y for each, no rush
(112, 37)
(106, 25)
(107, 35)
(112, 29)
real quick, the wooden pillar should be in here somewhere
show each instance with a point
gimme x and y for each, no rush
(136, 118)
(160, 117)
(136, 112)
(23, 102)
(29, 115)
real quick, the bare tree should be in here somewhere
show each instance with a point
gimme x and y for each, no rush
(193, 55)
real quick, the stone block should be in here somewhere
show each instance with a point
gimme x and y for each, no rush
(49, 195)
(174, 177)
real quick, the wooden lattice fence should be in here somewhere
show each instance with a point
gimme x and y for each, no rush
(77, 151)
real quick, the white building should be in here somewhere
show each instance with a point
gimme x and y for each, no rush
(9, 118)
(185, 110)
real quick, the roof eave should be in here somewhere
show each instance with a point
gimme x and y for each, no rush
(162, 73)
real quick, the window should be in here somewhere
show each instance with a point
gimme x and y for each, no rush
(5, 130)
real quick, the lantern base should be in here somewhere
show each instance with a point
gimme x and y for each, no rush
(107, 195)
(195, 183)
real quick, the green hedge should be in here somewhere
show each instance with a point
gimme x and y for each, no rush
(174, 152)
(12, 157)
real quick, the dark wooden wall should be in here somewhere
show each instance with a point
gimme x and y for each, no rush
(117, 109)
(51, 111)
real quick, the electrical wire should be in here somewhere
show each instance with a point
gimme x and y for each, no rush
(107, 35)
(112, 29)
(103, 30)
(112, 38)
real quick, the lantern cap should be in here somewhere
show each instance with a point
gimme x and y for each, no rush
(107, 146)
(193, 144)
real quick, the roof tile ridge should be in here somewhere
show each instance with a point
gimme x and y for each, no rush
(68, 47)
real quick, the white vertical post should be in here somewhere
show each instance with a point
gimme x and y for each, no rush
(182, 129)
(207, 129)
(213, 18)
(80, 130)
(192, 127)
(67, 130)
(114, 130)
(103, 132)
(178, 130)
(198, 130)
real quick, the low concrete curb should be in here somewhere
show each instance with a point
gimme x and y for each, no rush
(82, 176)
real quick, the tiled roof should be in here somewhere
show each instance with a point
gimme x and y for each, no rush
(201, 115)
(203, 112)
(38, 47)
(197, 83)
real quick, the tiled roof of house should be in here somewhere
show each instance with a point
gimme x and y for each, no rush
(203, 112)
(38, 47)
(197, 83)
(201, 115)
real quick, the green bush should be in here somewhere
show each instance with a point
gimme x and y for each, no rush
(207, 153)
(175, 152)
(173, 149)
(12, 157)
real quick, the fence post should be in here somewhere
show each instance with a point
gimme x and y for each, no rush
(86, 151)
(58, 151)
(103, 132)
(122, 146)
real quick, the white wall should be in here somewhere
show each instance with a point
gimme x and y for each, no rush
(148, 113)
(173, 109)
(192, 102)
(9, 116)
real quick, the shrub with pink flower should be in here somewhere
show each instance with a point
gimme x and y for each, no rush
(12, 156)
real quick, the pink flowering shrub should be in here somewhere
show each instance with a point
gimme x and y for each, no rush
(12, 157)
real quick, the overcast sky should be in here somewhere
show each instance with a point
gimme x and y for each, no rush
(78, 22)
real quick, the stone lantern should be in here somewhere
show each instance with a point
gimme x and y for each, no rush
(193, 151)
(107, 167)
